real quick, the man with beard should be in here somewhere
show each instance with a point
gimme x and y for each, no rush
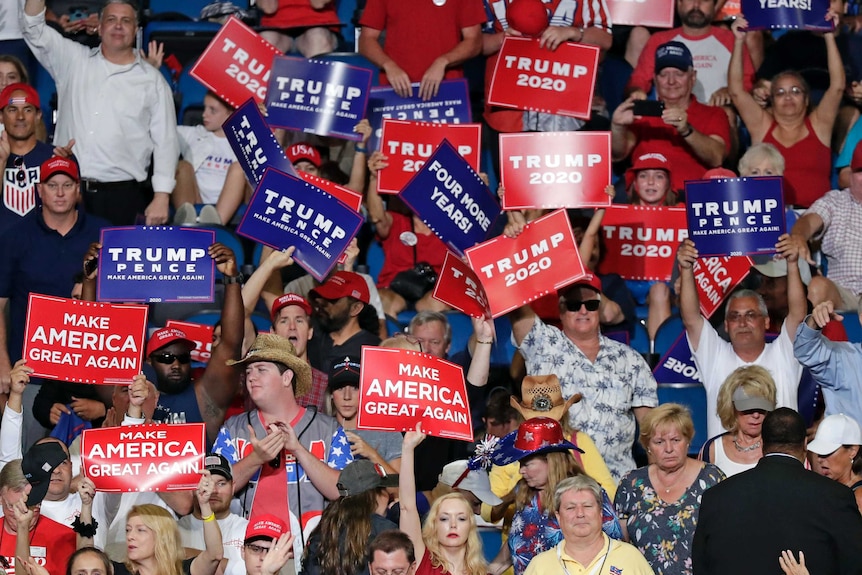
(20, 151)
(338, 303)
(169, 353)
(232, 526)
(710, 45)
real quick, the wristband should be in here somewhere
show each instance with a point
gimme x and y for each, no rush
(209, 518)
(484, 342)
(361, 149)
(85, 529)
(688, 133)
(237, 279)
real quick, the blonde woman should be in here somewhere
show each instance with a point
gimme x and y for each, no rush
(449, 541)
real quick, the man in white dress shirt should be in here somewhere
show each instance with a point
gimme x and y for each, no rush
(117, 108)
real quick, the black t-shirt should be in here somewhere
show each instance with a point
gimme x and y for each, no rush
(322, 353)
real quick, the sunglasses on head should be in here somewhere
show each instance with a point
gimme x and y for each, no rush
(169, 358)
(575, 304)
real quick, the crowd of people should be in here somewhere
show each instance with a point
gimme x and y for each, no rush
(575, 461)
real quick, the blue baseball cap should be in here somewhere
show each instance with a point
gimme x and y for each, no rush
(673, 55)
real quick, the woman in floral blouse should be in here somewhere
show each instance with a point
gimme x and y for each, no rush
(658, 504)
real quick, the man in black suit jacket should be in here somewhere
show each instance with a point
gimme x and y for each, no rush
(746, 521)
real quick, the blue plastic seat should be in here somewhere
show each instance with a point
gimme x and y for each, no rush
(852, 326)
(190, 8)
(693, 396)
(374, 258)
(667, 334)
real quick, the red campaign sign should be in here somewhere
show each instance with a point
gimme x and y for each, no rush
(640, 242)
(409, 144)
(547, 170)
(236, 64)
(157, 457)
(458, 286)
(716, 277)
(199, 333)
(407, 387)
(84, 342)
(649, 13)
(516, 271)
(561, 81)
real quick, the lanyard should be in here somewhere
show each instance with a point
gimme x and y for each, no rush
(594, 571)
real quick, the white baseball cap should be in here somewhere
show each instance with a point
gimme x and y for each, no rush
(476, 481)
(833, 432)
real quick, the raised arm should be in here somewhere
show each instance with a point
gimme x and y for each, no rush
(381, 219)
(755, 118)
(256, 283)
(206, 563)
(805, 228)
(823, 116)
(360, 158)
(623, 141)
(218, 385)
(480, 362)
(689, 305)
(409, 521)
(789, 247)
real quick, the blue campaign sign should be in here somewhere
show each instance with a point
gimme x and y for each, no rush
(452, 199)
(450, 106)
(780, 14)
(254, 144)
(288, 211)
(735, 216)
(321, 97)
(156, 264)
(677, 365)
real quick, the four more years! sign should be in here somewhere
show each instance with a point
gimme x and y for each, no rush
(144, 457)
(555, 169)
(528, 77)
(236, 64)
(460, 209)
(84, 342)
(156, 264)
(406, 387)
(516, 271)
(409, 145)
(778, 14)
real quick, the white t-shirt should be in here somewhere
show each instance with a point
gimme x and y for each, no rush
(232, 536)
(210, 156)
(716, 360)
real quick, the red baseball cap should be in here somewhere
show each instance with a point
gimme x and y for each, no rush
(31, 96)
(303, 153)
(167, 336)
(718, 174)
(343, 284)
(648, 161)
(58, 165)
(268, 526)
(590, 280)
(290, 299)
(856, 162)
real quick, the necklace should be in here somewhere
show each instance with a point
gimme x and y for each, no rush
(743, 449)
(669, 486)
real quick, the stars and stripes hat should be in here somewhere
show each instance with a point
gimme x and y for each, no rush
(534, 436)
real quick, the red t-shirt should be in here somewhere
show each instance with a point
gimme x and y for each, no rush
(809, 167)
(51, 545)
(420, 31)
(399, 256)
(654, 136)
(562, 13)
(711, 54)
(300, 14)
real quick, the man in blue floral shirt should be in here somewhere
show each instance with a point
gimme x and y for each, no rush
(615, 381)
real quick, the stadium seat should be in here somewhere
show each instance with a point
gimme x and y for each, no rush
(346, 13)
(462, 329)
(693, 396)
(852, 327)
(189, 8)
(667, 334)
(185, 40)
(641, 342)
(374, 259)
(227, 237)
(261, 321)
(192, 104)
(47, 90)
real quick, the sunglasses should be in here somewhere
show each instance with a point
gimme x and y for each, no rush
(575, 305)
(21, 174)
(169, 358)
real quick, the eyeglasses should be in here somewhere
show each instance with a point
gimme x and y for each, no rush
(67, 187)
(169, 358)
(257, 549)
(575, 304)
(21, 174)
(792, 91)
(736, 317)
